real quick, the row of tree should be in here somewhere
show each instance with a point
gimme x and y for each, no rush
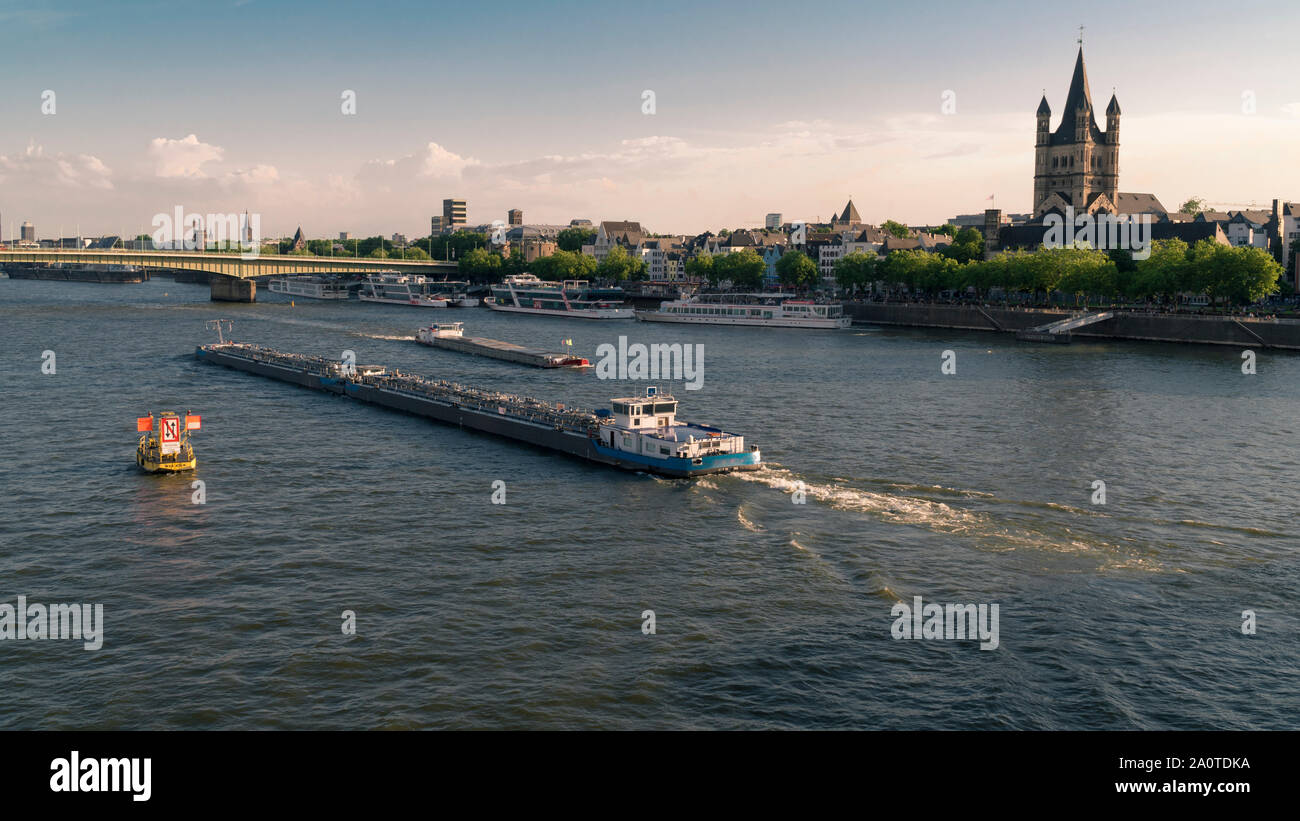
(1239, 275)
(484, 265)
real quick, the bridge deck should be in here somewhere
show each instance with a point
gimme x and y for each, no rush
(231, 265)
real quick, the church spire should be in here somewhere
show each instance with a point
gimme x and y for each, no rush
(1078, 103)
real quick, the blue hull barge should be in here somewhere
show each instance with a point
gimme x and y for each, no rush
(636, 433)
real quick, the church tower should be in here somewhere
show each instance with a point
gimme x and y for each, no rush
(1078, 162)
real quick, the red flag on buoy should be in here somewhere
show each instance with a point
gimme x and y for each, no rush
(192, 422)
(143, 423)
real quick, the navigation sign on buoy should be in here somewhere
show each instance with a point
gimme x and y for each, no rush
(170, 437)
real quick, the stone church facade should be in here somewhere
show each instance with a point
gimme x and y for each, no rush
(1077, 165)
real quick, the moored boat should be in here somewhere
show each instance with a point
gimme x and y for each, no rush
(775, 310)
(400, 289)
(309, 287)
(526, 294)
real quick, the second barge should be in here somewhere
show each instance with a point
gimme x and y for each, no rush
(636, 433)
(451, 335)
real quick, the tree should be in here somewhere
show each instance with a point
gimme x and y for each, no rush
(796, 270)
(967, 246)
(854, 271)
(947, 229)
(618, 265)
(700, 267)
(1165, 271)
(480, 265)
(573, 238)
(895, 229)
(744, 269)
(1240, 275)
(1193, 206)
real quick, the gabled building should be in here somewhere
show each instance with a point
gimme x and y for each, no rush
(1078, 162)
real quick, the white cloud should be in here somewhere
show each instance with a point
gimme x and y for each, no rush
(35, 167)
(182, 158)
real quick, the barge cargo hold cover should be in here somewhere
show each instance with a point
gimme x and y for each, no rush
(641, 433)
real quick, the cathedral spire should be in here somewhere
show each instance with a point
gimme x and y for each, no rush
(1079, 100)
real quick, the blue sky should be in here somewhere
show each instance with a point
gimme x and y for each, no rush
(758, 107)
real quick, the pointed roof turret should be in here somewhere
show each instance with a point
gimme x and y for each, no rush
(1113, 108)
(850, 214)
(1044, 108)
(1077, 102)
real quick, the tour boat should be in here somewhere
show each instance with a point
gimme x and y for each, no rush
(775, 310)
(309, 287)
(526, 294)
(400, 289)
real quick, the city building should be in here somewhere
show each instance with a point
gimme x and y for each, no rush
(345, 235)
(299, 241)
(453, 215)
(611, 233)
(514, 217)
(399, 239)
(847, 219)
(1077, 165)
(773, 222)
(28, 232)
(530, 241)
(435, 226)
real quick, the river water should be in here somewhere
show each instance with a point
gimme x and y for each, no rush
(974, 487)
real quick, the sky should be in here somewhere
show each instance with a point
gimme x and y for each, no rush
(113, 113)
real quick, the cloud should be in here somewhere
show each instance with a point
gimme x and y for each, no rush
(35, 167)
(431, 163)
(182, 158)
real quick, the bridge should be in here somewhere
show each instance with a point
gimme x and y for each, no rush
(231, 274)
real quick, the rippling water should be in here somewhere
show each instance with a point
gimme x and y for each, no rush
(972, 488)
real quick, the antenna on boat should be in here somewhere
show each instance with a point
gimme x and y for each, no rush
(217, 325)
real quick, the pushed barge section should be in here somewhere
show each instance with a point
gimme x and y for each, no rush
(638, 433)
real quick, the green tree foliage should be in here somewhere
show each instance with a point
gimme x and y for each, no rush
(700, 267)
(1193, 206)
(947, 229)
(480, 265)
(564, 265)
(618, 266)
(795, 269)
(967, 246)
(573, 238)
(895, 229)
(744, 269)
(854, 271)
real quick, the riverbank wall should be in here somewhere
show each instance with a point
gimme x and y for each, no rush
(1249, 332)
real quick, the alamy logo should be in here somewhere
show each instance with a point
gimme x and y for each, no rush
(55, 621)
(74, 774)
(195, 232)
(952, 622)
(1126, 232)
(656, 361)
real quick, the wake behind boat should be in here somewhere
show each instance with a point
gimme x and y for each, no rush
(776, 310)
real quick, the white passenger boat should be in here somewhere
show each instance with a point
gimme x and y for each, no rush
(775, 310)
(309, 287)
(526, 294)
(401, 289)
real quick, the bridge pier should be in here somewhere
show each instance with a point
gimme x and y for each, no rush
(232, 289)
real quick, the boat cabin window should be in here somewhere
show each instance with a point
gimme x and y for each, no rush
(665, 407)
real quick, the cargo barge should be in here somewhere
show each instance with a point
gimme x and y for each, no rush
(638, 433)
(451, 336)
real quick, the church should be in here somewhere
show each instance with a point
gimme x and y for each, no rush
(1078, 163)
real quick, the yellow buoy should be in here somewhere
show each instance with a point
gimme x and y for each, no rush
(168, 449)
